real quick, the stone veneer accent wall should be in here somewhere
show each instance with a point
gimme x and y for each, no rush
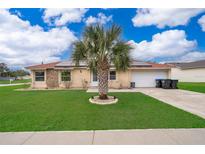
(52, 78)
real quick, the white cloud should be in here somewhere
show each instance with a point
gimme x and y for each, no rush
(168, 44)
(59, 17)
(164, 17)
(23, 44)
(192, 56)
(100, 19)
(201, 22)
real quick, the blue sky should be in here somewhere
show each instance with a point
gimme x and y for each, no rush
(156, 34)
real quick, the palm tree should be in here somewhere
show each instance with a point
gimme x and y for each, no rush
(100, 48)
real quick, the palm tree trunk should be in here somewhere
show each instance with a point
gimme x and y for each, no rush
(103, 70)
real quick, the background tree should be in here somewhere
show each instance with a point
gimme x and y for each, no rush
(19, 73)
(4, 70)
(101, 47)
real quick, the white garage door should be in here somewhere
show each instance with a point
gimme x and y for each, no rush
(146, 78)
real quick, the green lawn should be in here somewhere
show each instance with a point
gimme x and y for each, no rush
(70, 110)
(15, 81)
(197, 87)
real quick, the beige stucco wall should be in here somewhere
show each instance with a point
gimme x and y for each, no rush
(38, 84)
(188, 75)
(80, 78)
(122, 80)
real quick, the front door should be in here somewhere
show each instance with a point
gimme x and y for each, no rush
(94, 81)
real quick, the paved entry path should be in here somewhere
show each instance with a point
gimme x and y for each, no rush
(187, 100)
(109, 137)
(13, 84)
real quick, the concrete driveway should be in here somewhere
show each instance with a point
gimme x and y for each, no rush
(187, 100)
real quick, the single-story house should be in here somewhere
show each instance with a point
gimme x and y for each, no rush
(66, 75)
(189, 72)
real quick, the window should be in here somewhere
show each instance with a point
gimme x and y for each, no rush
(65, 76)
(39, 76)
(112, 75)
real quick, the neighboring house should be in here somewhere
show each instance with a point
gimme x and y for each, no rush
(26, 77)
(67, 75)
(189, 72)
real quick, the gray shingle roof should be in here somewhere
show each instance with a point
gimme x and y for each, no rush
(70, 63)
(191, 65)
(140, 63)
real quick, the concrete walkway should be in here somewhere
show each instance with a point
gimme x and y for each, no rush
(13, 84)
(95, 90)
(187, 100)
(110, 137)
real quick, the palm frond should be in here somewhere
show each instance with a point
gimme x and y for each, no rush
(120, 57)
(79, 53)
(100, 44)
(113, 34)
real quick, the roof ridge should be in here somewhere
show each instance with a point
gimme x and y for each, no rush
(69, 63)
